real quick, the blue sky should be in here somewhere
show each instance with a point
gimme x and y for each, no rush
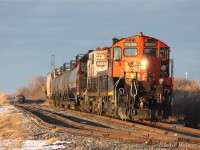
(33, 30)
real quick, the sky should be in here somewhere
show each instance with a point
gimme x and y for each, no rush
(31, 31)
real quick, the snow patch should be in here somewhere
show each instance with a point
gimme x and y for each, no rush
(32, 144)
(7, 109)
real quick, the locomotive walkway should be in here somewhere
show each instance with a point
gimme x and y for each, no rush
(112, 128)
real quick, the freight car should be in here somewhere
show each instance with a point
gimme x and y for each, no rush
(132, 79)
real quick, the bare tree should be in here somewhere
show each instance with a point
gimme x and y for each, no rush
(34, 89)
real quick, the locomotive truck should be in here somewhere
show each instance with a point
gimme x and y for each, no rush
(131, 79)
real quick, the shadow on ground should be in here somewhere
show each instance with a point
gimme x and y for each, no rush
(39, 101)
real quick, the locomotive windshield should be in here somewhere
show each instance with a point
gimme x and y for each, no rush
(130, 52)
(117, 53)
(150, 51)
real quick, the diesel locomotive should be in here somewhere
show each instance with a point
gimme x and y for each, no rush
(131, 79)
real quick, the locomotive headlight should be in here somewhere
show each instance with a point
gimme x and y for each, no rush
(163, 68)
(144, 64)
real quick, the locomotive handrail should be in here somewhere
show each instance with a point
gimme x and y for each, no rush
(172, 68)
(135, 90)
(115, 93)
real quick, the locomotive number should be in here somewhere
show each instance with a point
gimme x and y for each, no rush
(130, 44)
(100, 56)
(101, 63)
(150, 44)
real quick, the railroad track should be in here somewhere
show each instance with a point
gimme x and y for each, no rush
(183, 134)
(133, 133)
(164, 128)
(78, 128)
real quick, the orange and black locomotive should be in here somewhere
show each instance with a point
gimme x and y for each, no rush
(132, 79)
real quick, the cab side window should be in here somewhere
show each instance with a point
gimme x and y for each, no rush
(164, 54)
(117, 53)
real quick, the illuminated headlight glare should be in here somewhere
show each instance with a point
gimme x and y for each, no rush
(143, 67)
(144, 62)
(163, 68)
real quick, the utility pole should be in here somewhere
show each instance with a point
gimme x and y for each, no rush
(52, 62)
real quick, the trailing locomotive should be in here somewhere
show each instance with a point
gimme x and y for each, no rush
(132, 79)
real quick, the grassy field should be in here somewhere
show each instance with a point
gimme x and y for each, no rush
(186, 106)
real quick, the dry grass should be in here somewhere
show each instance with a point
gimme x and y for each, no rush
(11, 128)
(186, 106)
(10, 123)
(51, 141)
(4, 99)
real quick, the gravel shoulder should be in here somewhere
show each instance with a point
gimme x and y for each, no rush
(21, 131)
